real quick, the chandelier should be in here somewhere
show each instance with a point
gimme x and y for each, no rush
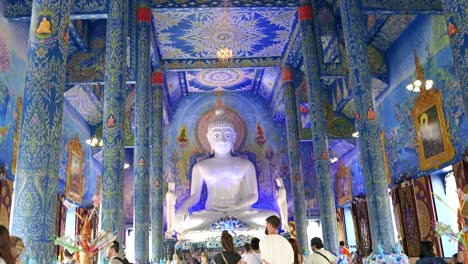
(224, 54)
(94, 142)
(420, 83)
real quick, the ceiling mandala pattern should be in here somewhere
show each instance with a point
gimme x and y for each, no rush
(86, 104)
(199, 33)
(220, 80)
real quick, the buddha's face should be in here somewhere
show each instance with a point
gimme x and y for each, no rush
(221, 139)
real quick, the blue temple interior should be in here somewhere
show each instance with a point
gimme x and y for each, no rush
(263, 36)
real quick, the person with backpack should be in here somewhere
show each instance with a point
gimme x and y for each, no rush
(112, 253)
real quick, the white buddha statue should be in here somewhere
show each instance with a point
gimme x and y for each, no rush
(282, 204)
(231, 184)
(171, 199)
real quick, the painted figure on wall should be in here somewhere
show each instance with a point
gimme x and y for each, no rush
(75, 173)
(430, 133)
(343, 185)
(231, 184)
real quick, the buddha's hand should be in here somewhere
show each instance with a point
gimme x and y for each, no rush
(181, 216)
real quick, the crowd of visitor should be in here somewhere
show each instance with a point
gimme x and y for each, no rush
(272, 249)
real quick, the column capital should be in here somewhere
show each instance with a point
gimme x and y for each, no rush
(305, 12)
(158, 78)
(143, 14)
(286, 74)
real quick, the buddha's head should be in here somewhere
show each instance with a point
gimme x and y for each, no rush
(221, 134)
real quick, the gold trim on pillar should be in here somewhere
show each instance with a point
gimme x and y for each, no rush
(74, 187)
(433, 137)
(385, 158)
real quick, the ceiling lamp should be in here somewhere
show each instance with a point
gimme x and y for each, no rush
(94, 142)
(224, 54)
(420, 83)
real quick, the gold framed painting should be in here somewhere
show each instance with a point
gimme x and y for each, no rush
(343, 185)
(433, 137)
(74, 187)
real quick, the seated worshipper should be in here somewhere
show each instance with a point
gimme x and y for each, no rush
(254, 256)
(231, 184)
(68, 258)
(228, 255)
(320, 255)
(17, 248)
(274, 248)
(298, 258)
(426, 255)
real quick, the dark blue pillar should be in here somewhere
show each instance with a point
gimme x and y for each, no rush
(326, 195)
(113, 124)
(35, 196)
(157, 198)
(295, 168)
(367, 124)
(455, 12)
(142, 135)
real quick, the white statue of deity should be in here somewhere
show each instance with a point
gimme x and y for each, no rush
(171, 199)
(282, 204)
(231, 184)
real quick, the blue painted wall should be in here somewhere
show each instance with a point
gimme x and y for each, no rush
(428, 36)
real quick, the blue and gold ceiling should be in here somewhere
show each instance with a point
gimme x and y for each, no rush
(199, 33)
(263, 35)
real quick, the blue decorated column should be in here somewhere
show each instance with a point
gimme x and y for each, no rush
(142, 135)
(36, 180)
(325, 193)
(113, 124)
(371, 156)
(455, 12)
(295, 168)
(157, 195)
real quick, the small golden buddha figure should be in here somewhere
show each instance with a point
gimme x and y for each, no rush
(44, 26)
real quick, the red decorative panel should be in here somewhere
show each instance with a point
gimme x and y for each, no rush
(305, 12)
(6, 194)
(409, 219)
(361, 225)
(143, 14)
(426, 211)
(158, 78)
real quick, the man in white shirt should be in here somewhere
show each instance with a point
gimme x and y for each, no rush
(253, 256)
(320, 255)
(274, 248)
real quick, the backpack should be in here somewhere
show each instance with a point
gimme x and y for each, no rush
(124, 260)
